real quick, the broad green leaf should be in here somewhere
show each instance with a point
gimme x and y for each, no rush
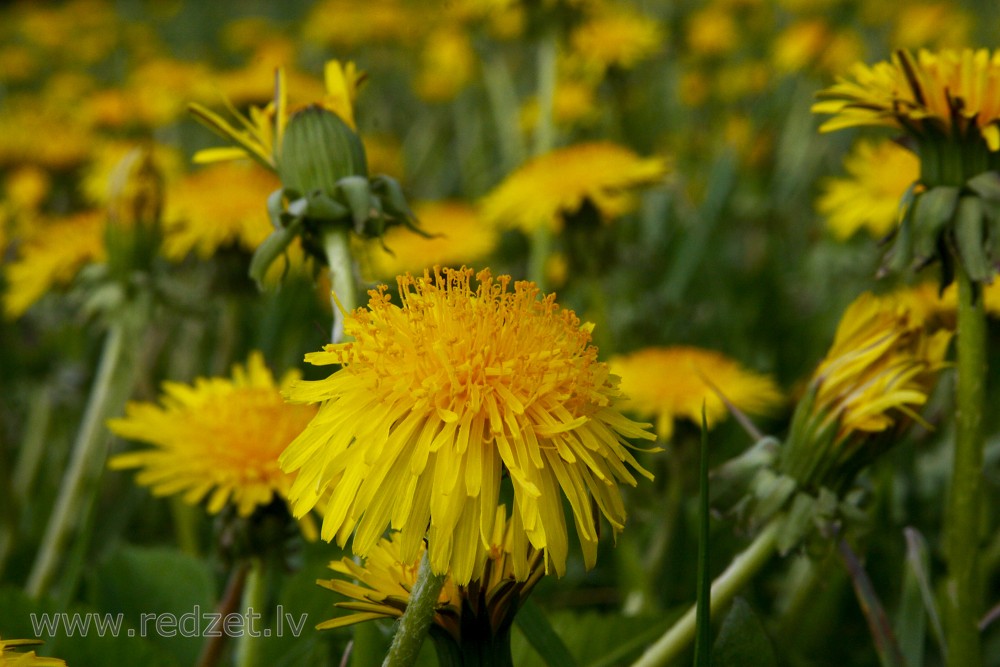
(163, 595)
(742, 641)
(543, 638)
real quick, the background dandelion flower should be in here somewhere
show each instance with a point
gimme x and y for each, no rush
(219, 438)
(557, 183)
(11, 655)
(440, 399)
(674, 382)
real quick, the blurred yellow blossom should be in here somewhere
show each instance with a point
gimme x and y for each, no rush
(931, 25)
(617, 36)
(447, 64)
(51, 256)
(457, 237)
(550, 186)
(675, 382)
(712, 31)
(878, 175)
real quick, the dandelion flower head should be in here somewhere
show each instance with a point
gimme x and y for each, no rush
(936, 94)
(443, 397)
(380, 587)
(878, 175)
(218, 439)
(674, 382)
(549, 186)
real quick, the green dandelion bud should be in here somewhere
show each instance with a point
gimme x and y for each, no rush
(317, 150)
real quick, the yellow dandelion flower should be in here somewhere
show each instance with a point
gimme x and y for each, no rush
(674, 382)
(27, 187)
(878, 175)
(550, 186)
(934, 24)
(618, 36)
(217, 439)
(457, 237)
(12, 654)
(51, 256)
(349, 24)
(444, 397)
(105, 159)
(712, 31)
(198, 219)
(381, 587)
(800, 45)
(574, 103)
(880, 369)
(447, 64)
(945, 94)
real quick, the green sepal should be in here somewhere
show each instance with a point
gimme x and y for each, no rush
(798, 522)
(772, 491)
(970, 236)
(900, 257)
(932, 211)
(357, 194)
(986, 185)
(323, 207)
(269, 250)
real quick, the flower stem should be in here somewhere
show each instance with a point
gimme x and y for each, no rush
(417, 618)
(254, 601)
(724, 588)
(211, 650)
(544, 140)
(87, 461)
(337, 246)
(964, 594)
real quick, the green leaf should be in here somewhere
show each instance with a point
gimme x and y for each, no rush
(22, 617)
(542, 637)
(595, 639)
(742, 641)
(871, 606)
(162, 594)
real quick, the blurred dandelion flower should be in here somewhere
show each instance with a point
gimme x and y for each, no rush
(442, 398)
(484, 609)
(11, 655)
(447, 64)
(674, 382)
(879, 174)
(198, 219)
(217, 439)
(618, 36)
(944, 94)
(881, 367)
(51, 256)
(550, 186)
(455, 236)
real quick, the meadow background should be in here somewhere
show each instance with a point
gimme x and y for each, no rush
(726, 252)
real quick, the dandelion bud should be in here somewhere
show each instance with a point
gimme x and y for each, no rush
(135, 204)
(317, 150)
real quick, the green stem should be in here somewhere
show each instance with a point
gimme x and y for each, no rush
(86, 464)
(248, 650)
(417, 618)
(964, 593)
(337, 246)
(30, 457)
(541, 241)
(725, 587)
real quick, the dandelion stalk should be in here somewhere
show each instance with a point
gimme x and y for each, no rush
(964, 594)
(254, 601)
(337, 246)
(417, 618)
(88, 456)
(724, 588)
(541, 241)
